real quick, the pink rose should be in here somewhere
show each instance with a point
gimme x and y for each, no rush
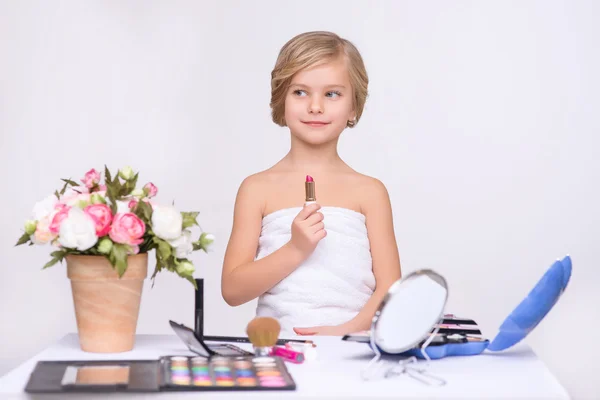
(91, 178)
(61, 213)
(150, 189)
(102, 217)
(42, 234)
(127, 228)
(132, 203)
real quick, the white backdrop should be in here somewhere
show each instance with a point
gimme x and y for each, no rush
(482, 121)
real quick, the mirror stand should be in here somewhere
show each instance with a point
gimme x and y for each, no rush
(410, 366)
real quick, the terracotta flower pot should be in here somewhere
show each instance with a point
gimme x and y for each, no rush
(106, 306)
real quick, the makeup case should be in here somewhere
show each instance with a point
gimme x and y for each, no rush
(521, 321)
(462, 337)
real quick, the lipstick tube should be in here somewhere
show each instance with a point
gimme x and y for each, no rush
(288, 355)
(309, 188)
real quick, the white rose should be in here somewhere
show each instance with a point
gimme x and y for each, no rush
(44, 207)
(167, 222)
(183, 245)
(77, 231)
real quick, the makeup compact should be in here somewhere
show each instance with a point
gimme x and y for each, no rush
(410, 323)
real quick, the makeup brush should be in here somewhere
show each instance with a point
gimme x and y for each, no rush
(263, 333)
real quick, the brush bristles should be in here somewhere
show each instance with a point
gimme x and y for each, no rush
(263, 331)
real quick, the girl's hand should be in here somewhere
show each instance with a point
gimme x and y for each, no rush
(339, 330)
(307, 230)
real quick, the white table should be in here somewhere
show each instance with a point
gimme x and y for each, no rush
(515, 373)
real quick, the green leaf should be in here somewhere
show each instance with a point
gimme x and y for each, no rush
(193, 281)
(144, 211)
(189, 219)
(57, 194)
(107, 177)
(118, 258)
(59, 254)
(50, 263)
(70, 182)
(23, 239)
(148, 244)
(64, 188)
(158, 267)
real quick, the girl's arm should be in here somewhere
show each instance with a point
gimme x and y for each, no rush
(384, 251)
(244, 279)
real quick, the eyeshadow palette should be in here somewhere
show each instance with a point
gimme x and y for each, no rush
(241, 373)
(168, 373)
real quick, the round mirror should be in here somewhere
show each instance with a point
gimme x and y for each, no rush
(409, 311)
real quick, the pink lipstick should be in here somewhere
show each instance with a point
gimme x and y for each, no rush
(309, 188)
(288, 354)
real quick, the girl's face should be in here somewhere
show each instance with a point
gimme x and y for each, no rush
(319, 103)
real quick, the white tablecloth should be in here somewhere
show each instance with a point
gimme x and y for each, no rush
(515, 373)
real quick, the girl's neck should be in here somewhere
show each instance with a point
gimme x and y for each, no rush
(303, 156)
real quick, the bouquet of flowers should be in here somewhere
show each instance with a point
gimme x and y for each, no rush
(115, 219)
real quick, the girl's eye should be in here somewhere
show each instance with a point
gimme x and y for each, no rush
(333, 94)
(299, 92)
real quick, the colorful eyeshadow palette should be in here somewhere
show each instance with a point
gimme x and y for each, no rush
(233, 373)
(169, 373)
(217, 367)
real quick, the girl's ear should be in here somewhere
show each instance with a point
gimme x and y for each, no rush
(352, 116)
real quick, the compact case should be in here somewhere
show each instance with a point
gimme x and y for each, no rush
(460, 337)
(214, 368)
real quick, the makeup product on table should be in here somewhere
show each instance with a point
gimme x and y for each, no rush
(226, 372)
(288, 354)
(309, 188)
(169, 373)
(243, 339)
(199, 308)
(444, 335)
(216, 368)
(198, 346)
(263, 333)
(309, 351)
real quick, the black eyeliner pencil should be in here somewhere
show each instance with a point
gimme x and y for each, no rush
(241, 339)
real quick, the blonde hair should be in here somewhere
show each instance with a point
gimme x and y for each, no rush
(309, 50)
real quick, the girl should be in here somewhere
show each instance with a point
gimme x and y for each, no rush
(321, 268)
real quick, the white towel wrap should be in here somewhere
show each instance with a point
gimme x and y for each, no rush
(332, 285)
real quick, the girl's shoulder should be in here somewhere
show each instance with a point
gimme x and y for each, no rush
(262, 179)
(257, 187)
(363, 182)
(370, 191)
